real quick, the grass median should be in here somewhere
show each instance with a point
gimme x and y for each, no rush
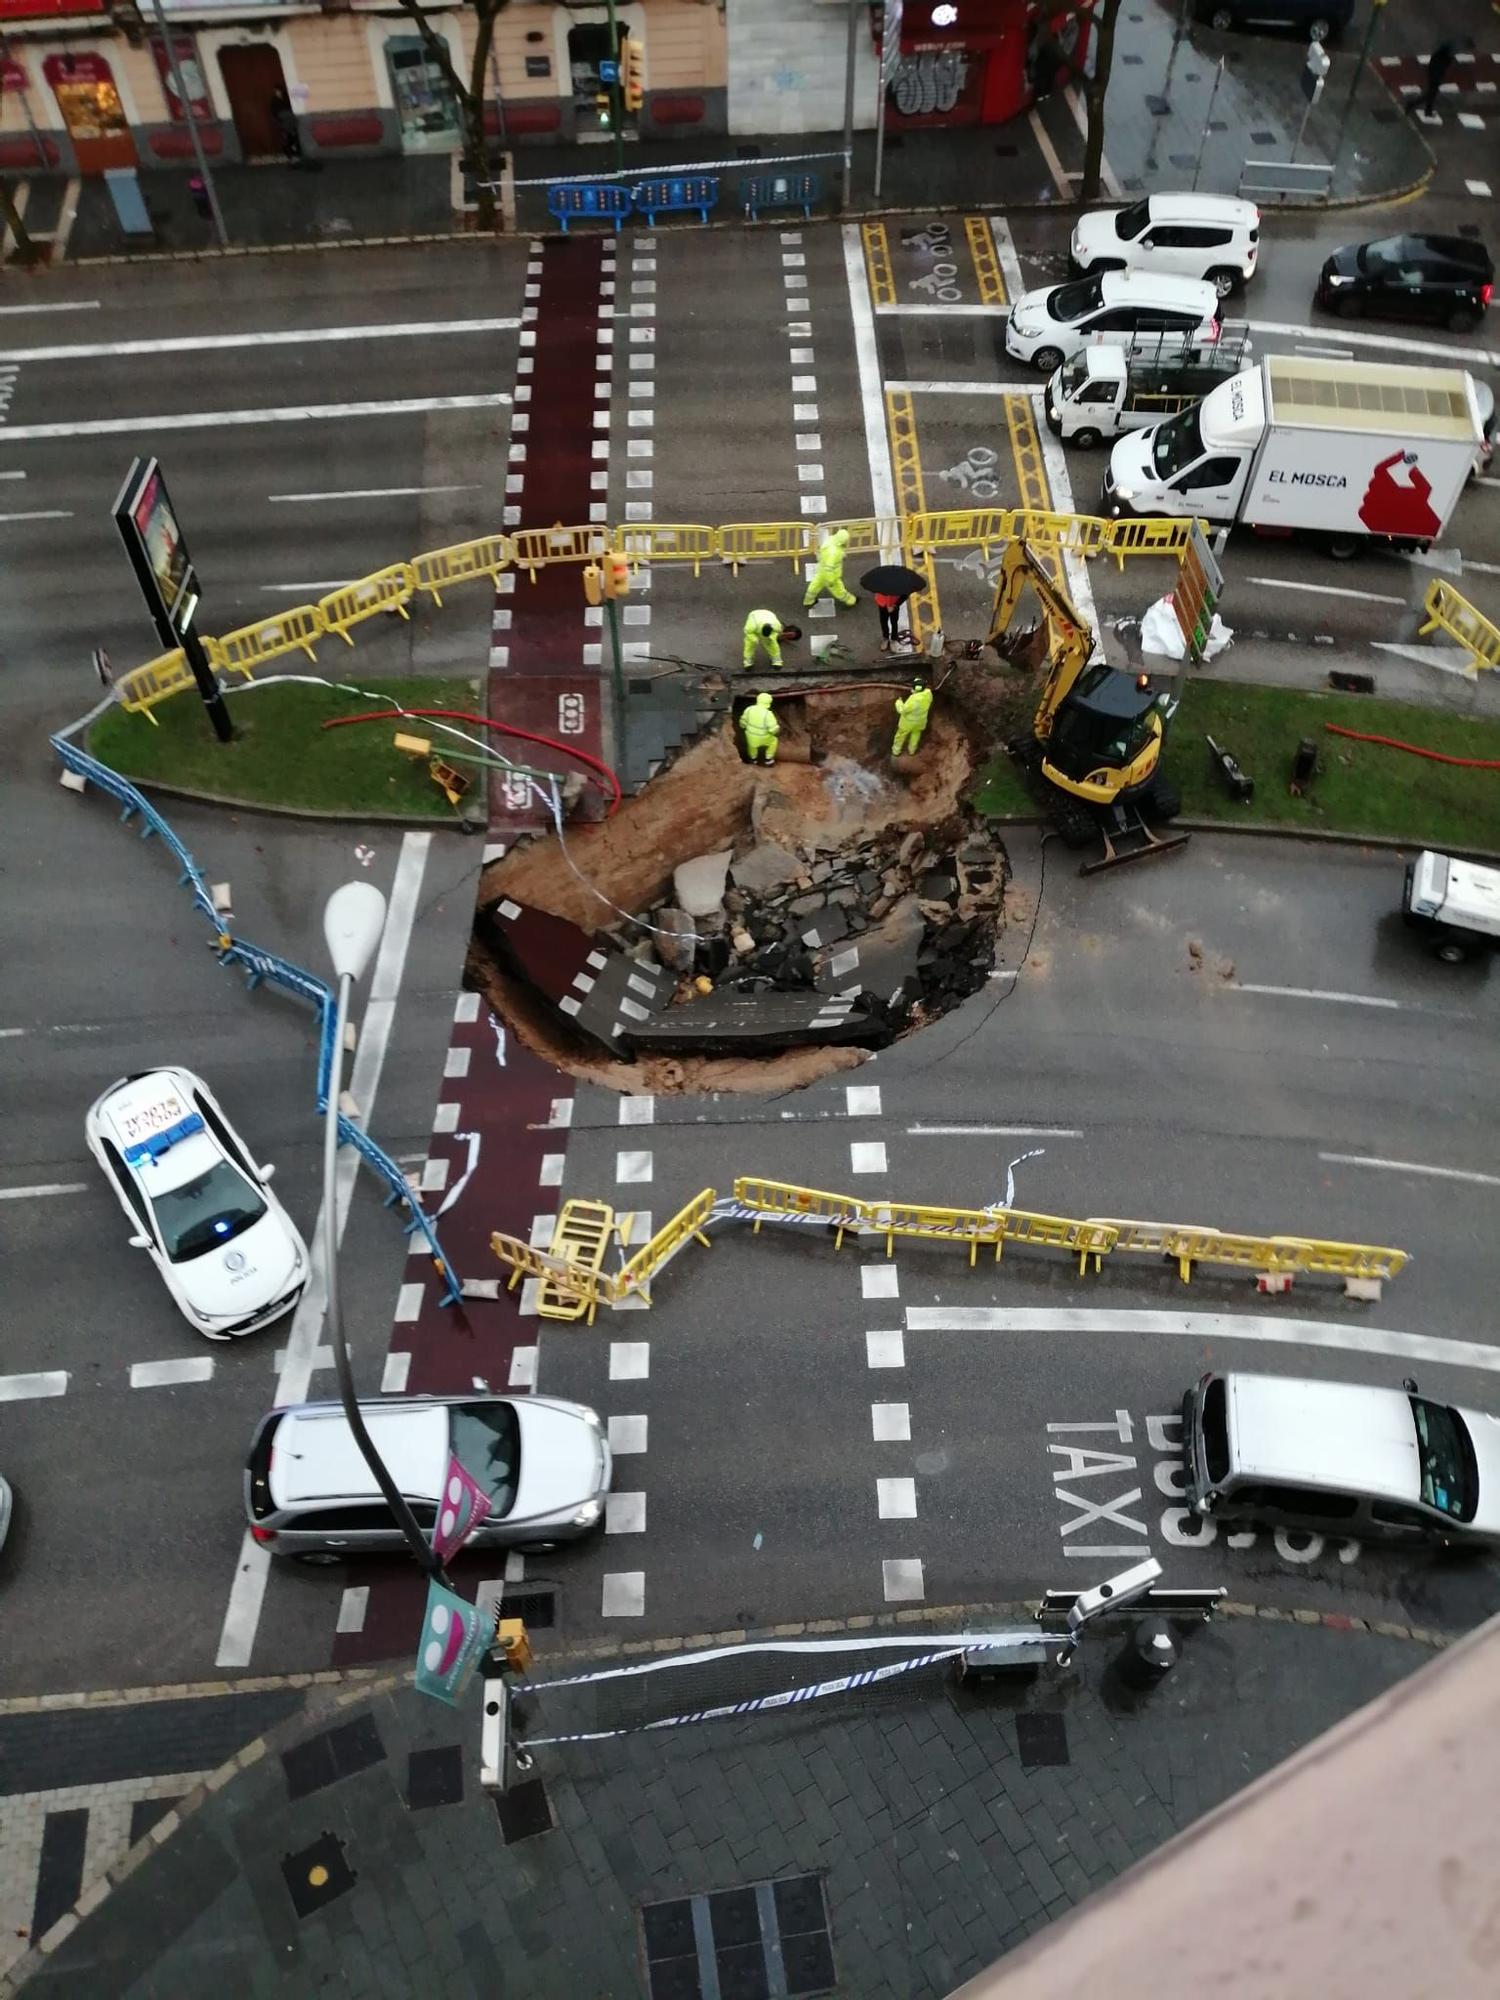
(282, 756)
(1361, 788)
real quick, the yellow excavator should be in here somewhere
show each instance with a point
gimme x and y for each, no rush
(1097, 735)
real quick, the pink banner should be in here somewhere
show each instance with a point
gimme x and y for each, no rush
(464, 1508)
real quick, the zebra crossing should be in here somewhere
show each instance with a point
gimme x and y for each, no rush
(10, 374)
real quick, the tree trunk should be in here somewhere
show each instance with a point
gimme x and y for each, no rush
(26, 250)
(484, 195)
(1105, 16)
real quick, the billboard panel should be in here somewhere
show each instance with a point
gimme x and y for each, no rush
(154, 542)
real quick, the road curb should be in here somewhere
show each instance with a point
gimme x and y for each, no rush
(312, 813)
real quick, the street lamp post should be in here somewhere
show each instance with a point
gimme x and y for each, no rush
(353, 920)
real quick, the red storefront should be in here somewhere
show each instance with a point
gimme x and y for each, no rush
(980, 62)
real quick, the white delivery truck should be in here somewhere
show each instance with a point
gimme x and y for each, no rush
(1105, 391)
(1455, 902)
(1345, 451)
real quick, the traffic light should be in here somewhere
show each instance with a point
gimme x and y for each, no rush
(616, 576)
(633, 72)
(602, 106)
(593, 583)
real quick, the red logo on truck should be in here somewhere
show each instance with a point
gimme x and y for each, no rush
(1391, 507)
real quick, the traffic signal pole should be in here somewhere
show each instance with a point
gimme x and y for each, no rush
(616, 95)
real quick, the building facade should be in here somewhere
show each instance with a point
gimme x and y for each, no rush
(88, 85)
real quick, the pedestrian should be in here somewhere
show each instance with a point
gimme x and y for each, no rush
(889, 606)
(764, 628)
(1439, 63)
(760, 728)
(285, 121)
(829, 573)
(911, 719)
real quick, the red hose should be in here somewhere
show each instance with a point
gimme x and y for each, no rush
(598, 768)
(1415, 750)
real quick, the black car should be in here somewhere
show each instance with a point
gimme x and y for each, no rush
(1318, 20)
(1447, 279)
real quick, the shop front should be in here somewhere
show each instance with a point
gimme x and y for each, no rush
(423, 101)
(979, 62)
(93, 115)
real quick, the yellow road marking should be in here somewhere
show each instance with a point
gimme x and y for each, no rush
(878, 264)
(986, 264)
(1031, 473)
(924, 612)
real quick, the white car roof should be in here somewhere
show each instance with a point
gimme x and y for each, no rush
(1227, 210)
(150, 1114)
(314, 1456)
(1342, 1435)
(1159, 288)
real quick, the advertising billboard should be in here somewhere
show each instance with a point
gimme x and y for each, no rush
(158, 554)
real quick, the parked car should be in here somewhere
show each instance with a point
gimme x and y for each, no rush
(1454, 904)
(1448, 280)
(1318, 20)
(1049, 326)
(1208, 236)
(1340, 1458)
(309, 1493)
(227, 1250)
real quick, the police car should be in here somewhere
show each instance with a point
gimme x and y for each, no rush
(227, 1250)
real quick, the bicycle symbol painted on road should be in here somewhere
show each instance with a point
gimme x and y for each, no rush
(976, 473)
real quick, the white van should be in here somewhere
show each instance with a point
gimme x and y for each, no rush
(1049, 326)
(1210, 236)
(1338, 1458)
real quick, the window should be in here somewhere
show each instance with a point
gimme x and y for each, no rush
(1071, 302)
(1178, 443)
(1313, 1501)
(1450, 1474)
(222, 1132)
(1216, 1431)
(373, 1517)
(204, 1214)
(1199, 237)
(1131, 221)
(128, 1185)
(486, 1441)
(1212, 473)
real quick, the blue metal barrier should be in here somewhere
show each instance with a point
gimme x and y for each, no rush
(260, 964)
(780, 191)
(677, 194)
(595, 201)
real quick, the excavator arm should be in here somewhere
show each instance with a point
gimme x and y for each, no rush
(1070, 642)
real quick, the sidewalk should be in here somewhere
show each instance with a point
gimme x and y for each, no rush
(884, 1844)
(1028, 163)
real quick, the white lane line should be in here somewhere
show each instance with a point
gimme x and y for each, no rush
(7, 1034)
(879, 1281)
(1483, 480)
(890, 1423)
(63, 233)
(1080, 118)
(1005, 252)
(1467, 356)
(66, 514)
(624, 1594)
(247, 1594)
(192, 343)
(994, 1132)
(625, 1514)
(629, 1360)
(553, 1164)
(353, 1605)
(1486, 569)
(315, 589)
(41, 1188)
(164, 1374)
(862, 1100)
(1324, 589)
(22, 1388)
(1317, 993)
(896, 1499)
(1410, 1167)
(12, 475)
(522, 1368)
(902, 1580)
(365, 493)
(1329, 353)
(627, 1435)
(1060, 179)
(64, 306)
(885, 1349)
(632, 1167)
(394, 1375)
(965, 388)
(937, 308)
(867, 1156)
(1060, 482)
(209, 420)
(872, 401)
(1351, 1337)
(408, 1303)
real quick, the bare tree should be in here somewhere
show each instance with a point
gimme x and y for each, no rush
(467, 95)
(1105, 13)
(10, 218)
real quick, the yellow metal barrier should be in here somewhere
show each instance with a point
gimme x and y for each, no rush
(389, 589)
(686, 1225)
(527, 1262)
(579, 1241)
(839, 1211)
(659, 541)
(143, 687)
(242, 651)
(439, 569)
(1455, 615)
(535, 548)
(1187, 1244)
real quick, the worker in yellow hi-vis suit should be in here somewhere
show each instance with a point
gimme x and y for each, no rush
(829, 574)
(911, 718)
(760, 728)
(764, 628)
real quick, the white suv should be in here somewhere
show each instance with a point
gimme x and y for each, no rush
(1188, 235)
(1049, 327)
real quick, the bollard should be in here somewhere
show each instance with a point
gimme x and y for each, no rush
(1149, 1655)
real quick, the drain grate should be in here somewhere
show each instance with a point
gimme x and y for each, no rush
(523, 1811)
(1042, 1738)
(764, 1939)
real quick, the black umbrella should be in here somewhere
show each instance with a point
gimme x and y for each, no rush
(892, 580)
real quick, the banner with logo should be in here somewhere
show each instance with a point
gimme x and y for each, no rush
(465, 1507)
(454, 1635)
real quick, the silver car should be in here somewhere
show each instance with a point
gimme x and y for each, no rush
(309, 1493)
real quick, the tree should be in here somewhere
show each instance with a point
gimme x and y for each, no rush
(1106, 13)
(10, 218)
(468, 96)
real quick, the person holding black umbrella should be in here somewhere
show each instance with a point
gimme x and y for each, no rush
(891, 584)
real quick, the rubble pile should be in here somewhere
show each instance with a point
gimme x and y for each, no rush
(905, 926)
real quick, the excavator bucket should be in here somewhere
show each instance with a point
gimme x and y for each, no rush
(1127, 837)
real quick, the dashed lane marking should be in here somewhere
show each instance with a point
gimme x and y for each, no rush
(41, 1189)
(24, 1388)
(862, 1100)
(638, 1110)
(879, 1281)
(867, 1156)
(288, 413)
(1317, 993)
(627, 1435)
(194, 343)
(353, 1605)
(1347, 1338)
(1410, 1167)
(629, 1360)
(890, 1423)
(886, 1348)
(625, 1514)
(896, 1499)
(903, 1580)
(994, 1132)
(167, 1374)
(624, 1594)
